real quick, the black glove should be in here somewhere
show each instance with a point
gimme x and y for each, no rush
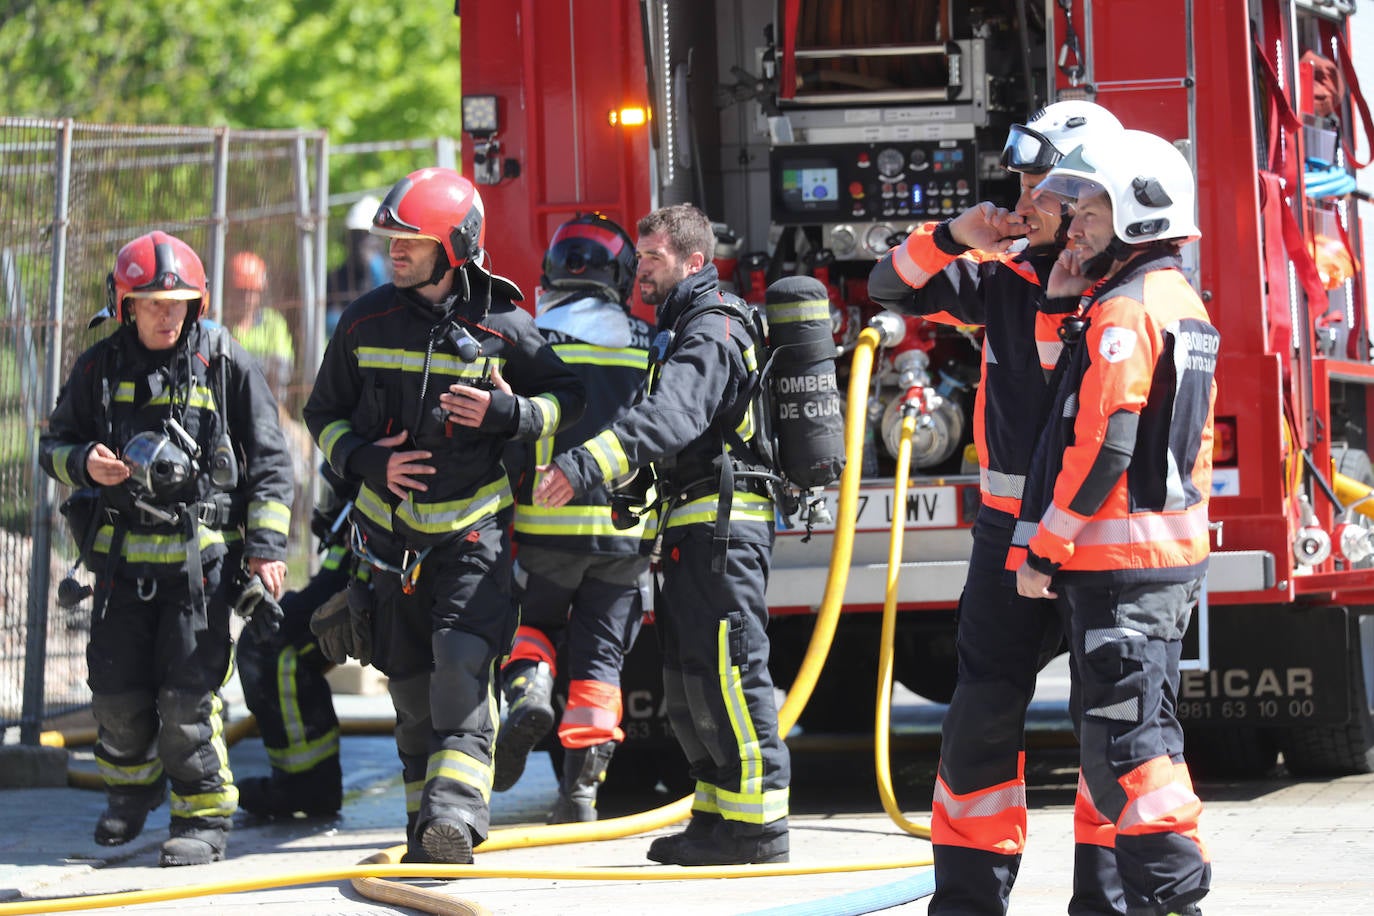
(343, 625)
(256, 605)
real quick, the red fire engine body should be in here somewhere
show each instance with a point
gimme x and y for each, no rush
(818, 132)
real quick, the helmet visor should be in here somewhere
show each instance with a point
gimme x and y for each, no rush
(1060, 193)
(1028, 151)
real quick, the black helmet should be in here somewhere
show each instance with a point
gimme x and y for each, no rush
(591, 252)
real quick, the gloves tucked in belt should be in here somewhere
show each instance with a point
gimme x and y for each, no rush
(343, 625)
(256, 605)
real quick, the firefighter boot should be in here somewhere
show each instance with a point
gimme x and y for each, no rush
(733, 843)
(124, 814)
(194, 841)
(447, 842)
(700, 828)
(528, 688)
(317, 792)
(584, 770)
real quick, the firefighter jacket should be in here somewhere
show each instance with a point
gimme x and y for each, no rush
(1121, 478)
(209, 385)
(391, 356)
(608, 349)
(700, 389)
(935, 277)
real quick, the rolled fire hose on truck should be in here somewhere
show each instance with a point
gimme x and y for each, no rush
(369, 876)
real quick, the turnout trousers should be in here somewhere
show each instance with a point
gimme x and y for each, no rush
(589, 608)
(439, 645)
(284, 683)
(155, 664)
(719, 693)
(1136, 815)
(978, 827)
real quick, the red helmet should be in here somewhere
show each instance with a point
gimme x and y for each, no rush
(591, 252)
(247, 271)
(157, 265)
(435, 204)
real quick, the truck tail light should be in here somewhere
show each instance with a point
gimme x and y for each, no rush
(1224, 442)
(630, 116)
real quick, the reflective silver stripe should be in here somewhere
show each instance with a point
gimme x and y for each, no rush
(133, 774)
(608, 454)
(1062, 524)
(1049, 351)
(1145, 528)
(911, 273)
(572, 521)
(589, 716)
(1023, 532)
(455, 515)
(331, 434)
(1103, 636)
(983, 804)
(1125, 711)
(1156, 805)
(807, 310)
(300, 754)
(995, 483)
(269, 516)
(1071, 406)
(61, 457)
(752, 808)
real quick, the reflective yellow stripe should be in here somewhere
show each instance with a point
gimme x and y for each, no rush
(373, 507)
(741, 722)
(591, 355)
(572, 520)
(460, 767)
(299, 754)
(225, 801)
(269, 516)
(154, 548)
(550, 413)
(330, 436)
(789, 312)
(61, 457)
(200, 397)
(448, 364)
(132, 774)
(458, 514)
(415, 792)
(609, 455)
(754, 807)
(747, 507)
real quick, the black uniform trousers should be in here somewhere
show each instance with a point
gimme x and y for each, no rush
(155, 663)
(439, 646)
(1125, 642)
(285, 688)
(719, 693)
(1003, 640)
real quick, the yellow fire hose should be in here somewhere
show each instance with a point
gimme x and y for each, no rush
(368, 877)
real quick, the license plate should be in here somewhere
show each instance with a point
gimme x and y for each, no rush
(924, 507)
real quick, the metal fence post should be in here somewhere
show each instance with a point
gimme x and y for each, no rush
(36, 637)
(219, 223)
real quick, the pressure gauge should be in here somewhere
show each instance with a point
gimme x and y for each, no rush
(890, 162)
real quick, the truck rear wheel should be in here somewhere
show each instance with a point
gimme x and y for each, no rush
(1340, 750)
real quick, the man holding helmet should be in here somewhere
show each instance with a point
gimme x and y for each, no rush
(172, 424)
(580, 576)
(1114, 520)
(424, 382)
(968, 271)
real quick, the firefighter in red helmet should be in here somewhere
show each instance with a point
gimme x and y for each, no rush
(171, 437)
(424, 382)
(580, 577)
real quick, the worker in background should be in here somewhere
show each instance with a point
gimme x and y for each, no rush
(422, 385)
(364, 266)
(1114, 520)
(580, 578)
(710, 609)
(284, 684)
(173, 430)
(261, 329)
(966, 271)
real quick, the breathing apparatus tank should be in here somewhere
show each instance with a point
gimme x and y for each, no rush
(806, 411)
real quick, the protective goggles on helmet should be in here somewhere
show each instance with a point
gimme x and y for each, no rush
(387, 223)
(1060, 194)
(1027, 150)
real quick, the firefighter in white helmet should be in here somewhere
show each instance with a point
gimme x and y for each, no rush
(1114, 518)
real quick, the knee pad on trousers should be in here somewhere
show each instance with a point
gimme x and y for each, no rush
(459, 686)
(694, 715)
(186, 731)
(680, 717)
(128, 723)
(410, 697)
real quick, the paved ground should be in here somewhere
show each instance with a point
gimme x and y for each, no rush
(1279, 846)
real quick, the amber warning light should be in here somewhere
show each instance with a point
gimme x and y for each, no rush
(630, 116)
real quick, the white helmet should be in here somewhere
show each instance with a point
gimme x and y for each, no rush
(360, 215)
(1148, 181)
(1053, 132)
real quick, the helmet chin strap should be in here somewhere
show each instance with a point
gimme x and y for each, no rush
(1096, 267)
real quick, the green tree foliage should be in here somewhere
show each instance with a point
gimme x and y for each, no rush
(362, 71)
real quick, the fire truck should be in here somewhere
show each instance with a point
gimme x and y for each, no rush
(817, 133)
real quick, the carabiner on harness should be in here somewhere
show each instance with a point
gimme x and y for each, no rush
(151, 585)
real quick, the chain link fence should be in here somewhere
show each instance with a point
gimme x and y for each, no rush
(256, 205)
